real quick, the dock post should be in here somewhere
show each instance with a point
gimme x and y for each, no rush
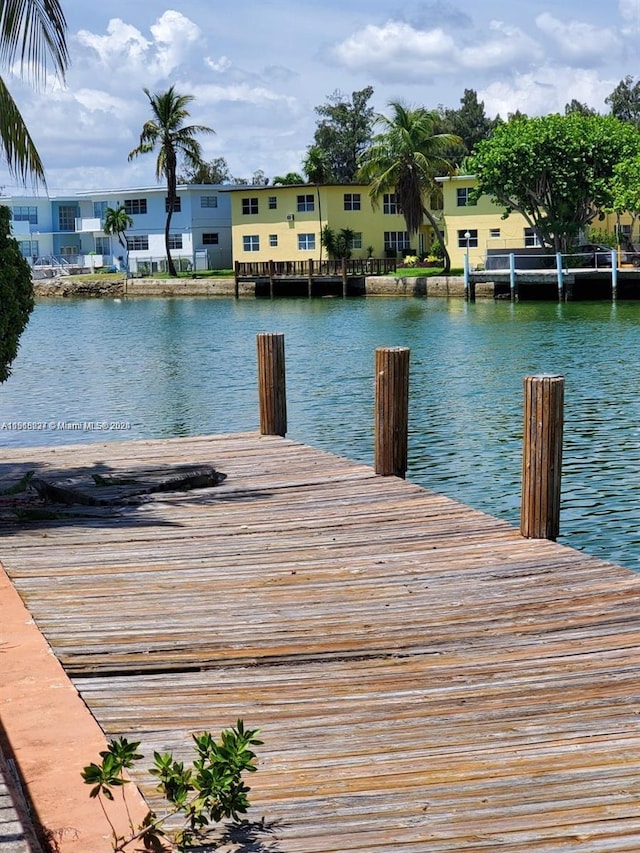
(614, 274)
(513, 289)
(391, 411)
(310, 279)
(271, 384)
(236, 268)
(344, 278)
(465, 272)
(272, 272)
(560, 276)
(542, 456)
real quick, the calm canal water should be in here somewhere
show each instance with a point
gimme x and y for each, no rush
(188, 366)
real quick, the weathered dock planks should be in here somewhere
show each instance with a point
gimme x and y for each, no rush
(425, 679)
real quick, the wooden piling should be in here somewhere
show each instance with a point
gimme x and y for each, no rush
(272, 275)
(236, 276)
(345, 279)
(271, 384)
(542, 456)
(391, 410)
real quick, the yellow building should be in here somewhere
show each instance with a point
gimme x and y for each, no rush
(284, 223)
(477, 228)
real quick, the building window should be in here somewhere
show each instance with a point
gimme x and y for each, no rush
(175, 241)
(103, 246)
(306, 203)
(494, 233)
(140, 243)
(250, 205)
(471, 241)
(99, 209)
(273, 240)
(67, 217)
(68, 251)
(463, 197)
(273, 202)
(208, 201)
(135, 206)
(397, 240)
(251, 243)
(210, 239)
(177, 204)
(25, 214)
(356, 242)
(531, 239)
(389, 203)
(352, 201)
(306, 242)
(29, 248)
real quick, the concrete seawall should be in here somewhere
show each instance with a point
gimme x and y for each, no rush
(70, 287)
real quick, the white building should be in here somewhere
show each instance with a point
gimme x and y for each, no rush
(69, 230)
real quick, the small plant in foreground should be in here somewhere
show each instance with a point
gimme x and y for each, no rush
(205, 793)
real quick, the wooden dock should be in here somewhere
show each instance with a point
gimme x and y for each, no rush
(425, 679)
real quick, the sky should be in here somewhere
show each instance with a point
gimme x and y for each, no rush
(258, 69)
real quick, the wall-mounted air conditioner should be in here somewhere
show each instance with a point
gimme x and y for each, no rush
(290, 217)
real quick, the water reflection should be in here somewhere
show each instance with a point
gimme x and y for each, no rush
(186, 366)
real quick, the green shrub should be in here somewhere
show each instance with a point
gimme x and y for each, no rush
(209, 791)
(16, 295)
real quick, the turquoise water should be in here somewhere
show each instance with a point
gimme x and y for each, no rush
(186, 366)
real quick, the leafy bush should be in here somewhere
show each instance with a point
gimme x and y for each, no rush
(16, 295)
(208, 791)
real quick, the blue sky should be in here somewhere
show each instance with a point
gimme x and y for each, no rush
(257, 70)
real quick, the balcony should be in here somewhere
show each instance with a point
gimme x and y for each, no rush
(88, 225)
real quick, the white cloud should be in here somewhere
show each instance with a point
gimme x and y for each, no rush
(122, 42)
(396, 51)
(219, 65)
(544, 91)
(579, 43)
(240, 92)
(399, 51)
(125, 51)
(510, 46)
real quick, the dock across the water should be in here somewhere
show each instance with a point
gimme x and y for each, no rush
(424, 678)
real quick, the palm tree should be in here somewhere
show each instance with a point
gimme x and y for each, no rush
(167, 132)
(404, 159)
(317, 169)
(34, 33)
(116, 222)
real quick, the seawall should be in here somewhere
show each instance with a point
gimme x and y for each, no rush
(69, 287)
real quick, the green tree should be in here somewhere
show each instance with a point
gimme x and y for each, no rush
(343, 133)
(288, 180)
(624, 101)
(625, 189)
(16, 295)
(213, 171)
(404, 159)
(32, 33)
(575, 106)
(470, 123)
(167, 132)
(116, 222)
(554, 170)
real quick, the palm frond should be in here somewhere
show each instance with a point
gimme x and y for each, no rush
(18, 146)
(35, 32)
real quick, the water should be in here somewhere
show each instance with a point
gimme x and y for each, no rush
(188, 366)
